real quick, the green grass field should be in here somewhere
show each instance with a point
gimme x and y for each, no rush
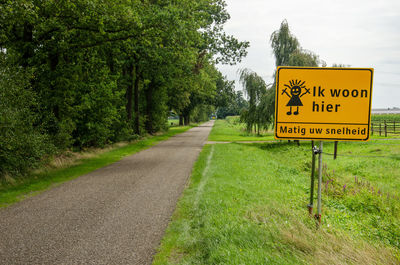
(386, 117)
(246, 204)
(231, 130)
(35, 183)
(173, 122)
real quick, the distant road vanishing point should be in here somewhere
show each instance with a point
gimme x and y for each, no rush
(114, 215)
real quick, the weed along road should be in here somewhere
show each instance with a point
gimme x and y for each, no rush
(114, 215)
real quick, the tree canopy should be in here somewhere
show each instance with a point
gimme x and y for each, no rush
(104, 71)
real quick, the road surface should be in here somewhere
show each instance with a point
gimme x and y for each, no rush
(114, 215)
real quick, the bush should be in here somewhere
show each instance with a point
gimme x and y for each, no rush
(22, 142)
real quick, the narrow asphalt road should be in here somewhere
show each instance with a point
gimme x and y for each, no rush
(114, 215)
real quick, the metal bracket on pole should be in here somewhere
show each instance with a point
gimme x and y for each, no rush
(316, 151)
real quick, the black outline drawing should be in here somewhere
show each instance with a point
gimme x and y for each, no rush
(295, 95)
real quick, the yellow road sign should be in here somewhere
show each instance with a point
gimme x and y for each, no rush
(323, 103)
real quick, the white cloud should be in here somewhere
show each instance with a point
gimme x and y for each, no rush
(362, 33)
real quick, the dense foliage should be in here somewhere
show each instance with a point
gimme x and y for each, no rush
(234, 106)
(256, 91)
(22, 141)
(90, 72)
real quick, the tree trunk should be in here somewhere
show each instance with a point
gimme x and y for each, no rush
(110, 61)
(27, 39)
(186, 118)
(136, 97)
(149, 108)
(53, 58)
(180, 120)
(249, 127)
(129, 91)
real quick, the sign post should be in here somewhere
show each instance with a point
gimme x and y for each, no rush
(319, 182)
(311, 204)
(325, 104)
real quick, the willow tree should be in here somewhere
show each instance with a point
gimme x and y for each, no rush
(283, 44)
(302, 57)
(254, 88)
(287, 52)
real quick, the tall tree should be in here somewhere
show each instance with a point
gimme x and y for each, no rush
(254, 88)
(287, 52)
(283, 44)
(225, 95)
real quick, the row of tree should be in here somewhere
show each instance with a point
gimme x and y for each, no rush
(90, 72)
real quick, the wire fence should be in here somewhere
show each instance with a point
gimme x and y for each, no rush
(358, 155)
(336, 154)
(385, 128)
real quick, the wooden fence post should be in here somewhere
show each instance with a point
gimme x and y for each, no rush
(335, 151)
(385, 128)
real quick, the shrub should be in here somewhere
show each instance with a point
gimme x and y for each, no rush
(22, 142)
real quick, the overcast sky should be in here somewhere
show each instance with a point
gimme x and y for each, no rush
(360, 33)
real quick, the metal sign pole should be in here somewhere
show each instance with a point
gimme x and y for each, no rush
(311, 204)
(319, 182)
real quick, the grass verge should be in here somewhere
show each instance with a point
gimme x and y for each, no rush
(246, 204)
(232, 131)
(35, 183)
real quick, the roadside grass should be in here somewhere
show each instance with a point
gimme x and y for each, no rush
(14, 190)
(246, 204)
(232, 131)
